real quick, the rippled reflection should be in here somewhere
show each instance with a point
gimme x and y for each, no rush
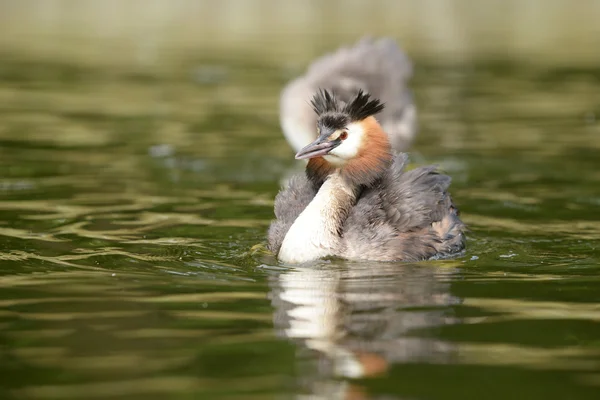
(360, 319)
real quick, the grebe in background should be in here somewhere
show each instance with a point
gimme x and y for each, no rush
(378, 67)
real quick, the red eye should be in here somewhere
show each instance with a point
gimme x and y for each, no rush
(344, 135)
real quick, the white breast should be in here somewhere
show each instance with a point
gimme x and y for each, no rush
(313, 235)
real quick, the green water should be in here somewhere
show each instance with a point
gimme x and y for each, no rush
(131, 201)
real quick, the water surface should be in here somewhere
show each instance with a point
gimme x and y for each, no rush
(132, 201)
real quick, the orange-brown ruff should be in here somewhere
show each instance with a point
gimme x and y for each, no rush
(356, 201)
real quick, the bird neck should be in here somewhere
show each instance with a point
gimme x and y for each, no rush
(372, 159)
(317, 230)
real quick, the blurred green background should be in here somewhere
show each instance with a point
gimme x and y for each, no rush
(142, 32)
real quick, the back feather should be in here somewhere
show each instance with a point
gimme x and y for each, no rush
(408, 216)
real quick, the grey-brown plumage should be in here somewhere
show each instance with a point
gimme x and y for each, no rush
(378, 67)
(404, 216)
(356, 201)
(408, 216)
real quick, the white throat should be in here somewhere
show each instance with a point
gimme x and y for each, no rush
(314, 234)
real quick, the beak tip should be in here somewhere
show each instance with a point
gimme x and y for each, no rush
(315, 149)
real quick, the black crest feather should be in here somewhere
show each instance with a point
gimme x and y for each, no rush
(361, 106)
(324, 101)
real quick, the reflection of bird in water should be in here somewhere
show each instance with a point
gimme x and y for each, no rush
(377, 67)
(357, 320)
(356, 201)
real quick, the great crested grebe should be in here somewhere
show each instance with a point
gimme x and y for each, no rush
(377, 67)
(356, 201)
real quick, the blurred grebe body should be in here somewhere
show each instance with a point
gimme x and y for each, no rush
(378, 67)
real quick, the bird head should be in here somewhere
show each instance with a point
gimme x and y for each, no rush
(349, 138)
